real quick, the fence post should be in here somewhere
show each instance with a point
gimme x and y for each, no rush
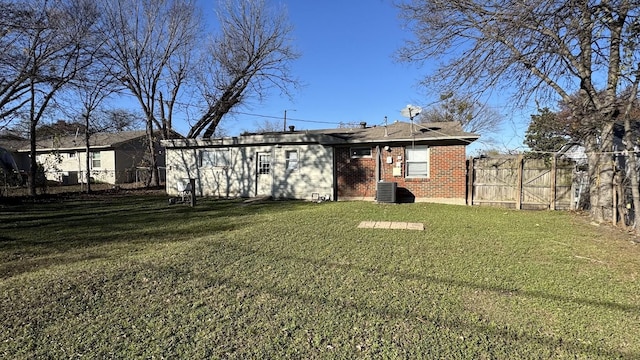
(520, 166)
(554, 173)
(470, 169)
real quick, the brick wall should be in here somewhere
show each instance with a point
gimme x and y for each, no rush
(356, 177)
(447, 180)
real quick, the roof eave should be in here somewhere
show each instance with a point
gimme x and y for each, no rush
(461, 139)
(249, 140)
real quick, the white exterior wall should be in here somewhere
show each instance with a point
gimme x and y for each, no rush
(71, 165)
(239, 178)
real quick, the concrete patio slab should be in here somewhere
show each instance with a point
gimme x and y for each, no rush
(398, 225)
(395, 225)
(415, 226)
(367, 224)
(382, 225)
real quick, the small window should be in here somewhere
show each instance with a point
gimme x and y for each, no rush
(95, 160)
(417, 158)
(206, 158)
(264, 164)
(360, 152)
(213, 158)
(72, 155)
(291, 157)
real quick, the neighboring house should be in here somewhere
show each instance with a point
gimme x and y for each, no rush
(13, 143)
(115, 157)
(426, 161)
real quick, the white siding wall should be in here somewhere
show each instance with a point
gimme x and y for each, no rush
(66, 163)
(238, 177)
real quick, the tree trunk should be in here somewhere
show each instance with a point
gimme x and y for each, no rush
(601, 172)
(88, 152)
(33, 164)
(153, 160)
(632, 168)
(87, 160)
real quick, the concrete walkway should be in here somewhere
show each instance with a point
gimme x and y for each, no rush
(390, 225)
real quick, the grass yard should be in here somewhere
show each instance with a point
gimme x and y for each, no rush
(131, 277)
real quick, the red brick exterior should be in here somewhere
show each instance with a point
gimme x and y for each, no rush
(356, 177)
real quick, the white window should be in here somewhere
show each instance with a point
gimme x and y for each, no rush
(213, 158)
(360, 152)
(417, 159)
(264, 164)
(95, 160)
(72, 155)
(291, 157)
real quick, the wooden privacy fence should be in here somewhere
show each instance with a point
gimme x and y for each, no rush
(520, 183)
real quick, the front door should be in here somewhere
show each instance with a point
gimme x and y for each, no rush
(265, 176)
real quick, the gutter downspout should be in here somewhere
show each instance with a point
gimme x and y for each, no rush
(378, 160)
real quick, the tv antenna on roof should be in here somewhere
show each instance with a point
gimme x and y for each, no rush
(411, 111)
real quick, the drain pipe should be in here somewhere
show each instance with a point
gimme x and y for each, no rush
(378, 159)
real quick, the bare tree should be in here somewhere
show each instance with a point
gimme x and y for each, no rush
(16, 31)
(248, 58)
(547, 49)
(474, 116)
(267, 125)
(91, 88)
(150, 44)
(45, 47)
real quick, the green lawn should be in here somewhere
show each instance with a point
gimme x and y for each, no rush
(131, 277)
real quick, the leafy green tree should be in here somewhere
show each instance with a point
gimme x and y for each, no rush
(547, 132)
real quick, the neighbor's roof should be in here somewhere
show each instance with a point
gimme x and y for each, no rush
(12, 142)
(97, 140)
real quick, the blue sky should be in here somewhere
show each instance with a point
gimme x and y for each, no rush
(349, 73)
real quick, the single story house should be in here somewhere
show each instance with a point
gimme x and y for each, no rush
(12, 144)
(115, 158)
(424, 162)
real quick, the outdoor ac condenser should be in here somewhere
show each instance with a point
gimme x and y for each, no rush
(386, 192)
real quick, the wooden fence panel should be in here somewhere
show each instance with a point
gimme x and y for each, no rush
(520, 183)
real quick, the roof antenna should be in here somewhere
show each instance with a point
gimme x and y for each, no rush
(411, 111)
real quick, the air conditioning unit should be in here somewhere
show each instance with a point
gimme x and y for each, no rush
(386, 192)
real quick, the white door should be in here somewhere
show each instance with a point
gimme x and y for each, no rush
(265, 175)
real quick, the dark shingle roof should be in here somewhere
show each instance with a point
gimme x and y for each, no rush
(447, 133)
(403, 131)
(13, 143)
(96, 140)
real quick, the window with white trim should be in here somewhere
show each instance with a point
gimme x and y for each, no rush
(291, 159)
(95, 160)
(264, 164)
(417, 161)
(213, 158)
(360, 152)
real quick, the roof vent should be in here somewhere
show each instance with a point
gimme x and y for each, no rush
(292, 128)
(363, 125)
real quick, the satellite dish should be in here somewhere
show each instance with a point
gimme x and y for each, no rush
(411, 111)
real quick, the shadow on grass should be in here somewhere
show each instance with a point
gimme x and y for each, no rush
(509, 335)
(40, 235)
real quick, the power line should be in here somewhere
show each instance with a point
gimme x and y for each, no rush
(288, 118)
